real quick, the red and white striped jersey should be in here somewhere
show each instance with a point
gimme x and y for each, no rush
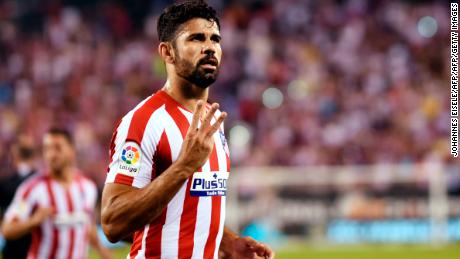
(145, 143)
(65, 234)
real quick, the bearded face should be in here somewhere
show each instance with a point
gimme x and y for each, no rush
(198, 52)
(202, 74)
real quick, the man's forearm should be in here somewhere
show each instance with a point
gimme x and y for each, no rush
(17, 229)
(131, 209)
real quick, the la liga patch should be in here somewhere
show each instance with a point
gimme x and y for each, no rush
(22, 208)
(129, 163)
(130, 154)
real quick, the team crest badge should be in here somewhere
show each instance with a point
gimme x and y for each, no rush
(224, 142)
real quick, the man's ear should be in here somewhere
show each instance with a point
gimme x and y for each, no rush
(166, 52)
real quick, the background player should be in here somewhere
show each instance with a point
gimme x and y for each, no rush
(57, 207)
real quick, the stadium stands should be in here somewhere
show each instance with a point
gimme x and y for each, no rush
(311, 82)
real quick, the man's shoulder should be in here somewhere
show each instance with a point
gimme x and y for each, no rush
(32, 182)
(143, 110)
(146, 117)
(149, 104)
(35, 179)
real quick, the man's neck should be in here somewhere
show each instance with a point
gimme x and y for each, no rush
(185, 93)
(64, 176)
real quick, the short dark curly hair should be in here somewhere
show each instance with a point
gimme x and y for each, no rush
(56, 131)
(176, 15)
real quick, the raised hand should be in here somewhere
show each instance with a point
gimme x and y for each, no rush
(199, 142)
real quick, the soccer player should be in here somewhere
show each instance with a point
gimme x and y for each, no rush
(56, 207)
(166, 182)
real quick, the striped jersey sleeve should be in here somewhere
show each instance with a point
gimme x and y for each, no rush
(134, 144)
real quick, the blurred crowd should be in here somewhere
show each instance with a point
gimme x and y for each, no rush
(353, 82)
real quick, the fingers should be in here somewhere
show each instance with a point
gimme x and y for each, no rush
(215, 127)
(210, 114)
(260, 249)
(255, 246)
(267, 252)
(196, 115)
(41, 214)
(207, 120)
(50, 211)
(46, 211)
(251, 242)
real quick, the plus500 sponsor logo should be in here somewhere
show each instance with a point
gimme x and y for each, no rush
(202, 184)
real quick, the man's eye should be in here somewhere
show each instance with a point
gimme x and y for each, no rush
(197, 38)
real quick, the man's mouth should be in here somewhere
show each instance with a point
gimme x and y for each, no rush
(208, 66)
(209, 63)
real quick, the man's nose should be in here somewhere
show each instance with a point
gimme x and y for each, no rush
(208, 48)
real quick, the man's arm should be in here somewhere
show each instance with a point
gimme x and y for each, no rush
(14, 229)
(126, 209)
